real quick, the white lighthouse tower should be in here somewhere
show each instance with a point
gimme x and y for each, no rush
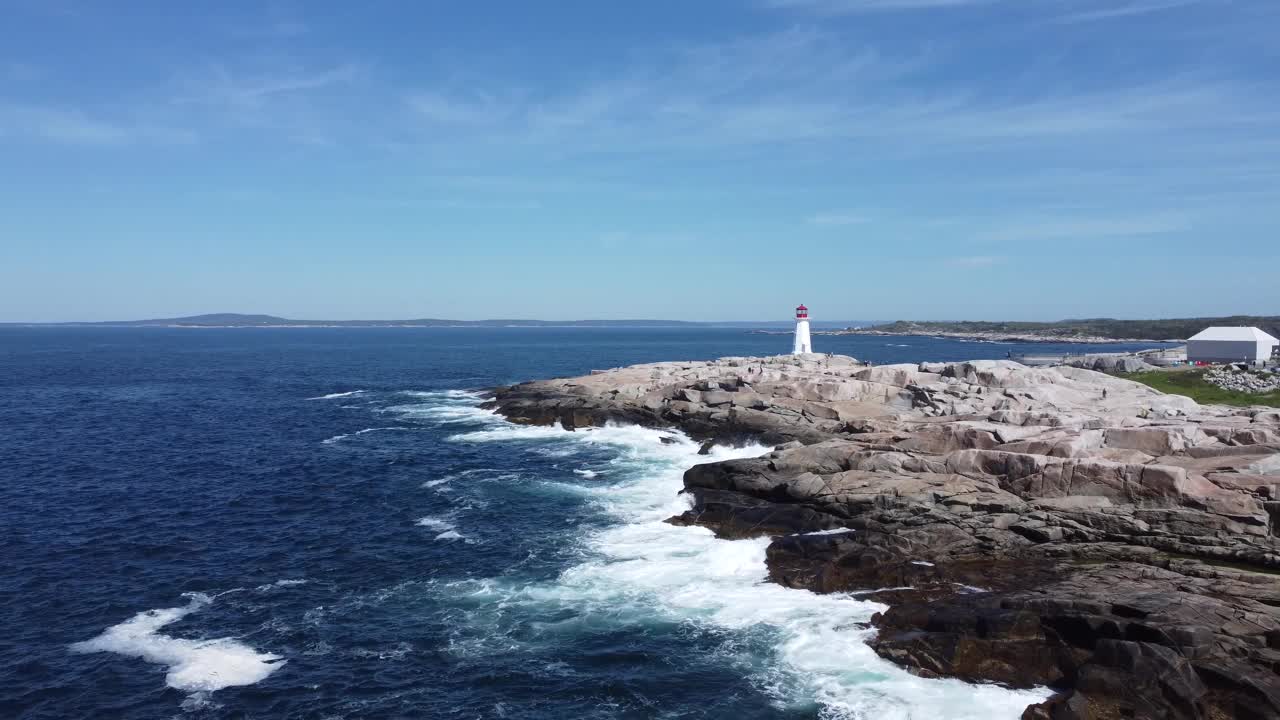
(803, 345)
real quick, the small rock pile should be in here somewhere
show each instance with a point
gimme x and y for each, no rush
(1228, 377)
(1110, 363)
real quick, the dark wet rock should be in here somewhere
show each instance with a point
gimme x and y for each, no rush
(1131, 640)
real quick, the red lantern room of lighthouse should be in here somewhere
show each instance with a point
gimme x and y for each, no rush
(802, 313)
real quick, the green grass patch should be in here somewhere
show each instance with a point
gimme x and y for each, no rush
(1192, 384)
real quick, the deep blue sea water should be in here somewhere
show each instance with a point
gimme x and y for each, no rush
(320, 523)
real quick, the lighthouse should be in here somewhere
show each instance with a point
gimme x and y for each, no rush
(802, 332)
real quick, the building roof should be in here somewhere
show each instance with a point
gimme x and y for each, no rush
(1235, 334)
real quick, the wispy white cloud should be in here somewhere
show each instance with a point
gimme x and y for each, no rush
(302, 103)
(1095, 9)
(838, 218)
(490, 205)
(59, 125)
(806, 86)
(18, 72)
(62, 9)
(218, 84)
(765, 88)
(1141, 7)
(846, 7)
(1080, 227)
(975, 261)
(270, 21)
(75, 127)
(442, 109)
(275, 28)
(803, 87)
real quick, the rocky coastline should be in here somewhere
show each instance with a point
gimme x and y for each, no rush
(1026, 526)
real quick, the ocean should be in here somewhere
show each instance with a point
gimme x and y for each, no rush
(322, 523)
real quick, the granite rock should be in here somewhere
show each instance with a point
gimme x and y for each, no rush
(1035, 526)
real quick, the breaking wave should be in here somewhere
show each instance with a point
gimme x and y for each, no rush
(195, 666)
(334, 396)
(641, 569)
(435, 523)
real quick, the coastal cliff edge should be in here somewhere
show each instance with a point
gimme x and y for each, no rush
(1027, 526)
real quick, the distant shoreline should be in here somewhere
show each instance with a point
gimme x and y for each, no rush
(981, 337)
(1086, 330)
(242, 320)
(1006, 337)
(342, 326)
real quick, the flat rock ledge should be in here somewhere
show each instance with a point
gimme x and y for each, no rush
(1026, 526)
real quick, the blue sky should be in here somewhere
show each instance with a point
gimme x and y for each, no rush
(877, 159)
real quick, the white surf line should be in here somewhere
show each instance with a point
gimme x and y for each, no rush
(644, 565)
(334, 396)
(459, 395)
(195, 666)
(442, 414)
(443, 407)
(336, 438)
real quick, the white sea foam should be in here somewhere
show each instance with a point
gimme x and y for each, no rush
(445, 407)
(563, 452)
(444, 414)
(435, 523)
(507, 432)
(500, 473)
(397, 653)
(366, 431)
(468, 395)
(444, 527)
(195, 666)
(281, 584)
(645, 570)
(332, 396)
(588, 474)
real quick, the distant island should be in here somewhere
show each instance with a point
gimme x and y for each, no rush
(239, 320)
(1096, 330)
